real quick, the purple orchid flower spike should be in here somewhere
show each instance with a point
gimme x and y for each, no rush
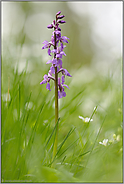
(57, 42)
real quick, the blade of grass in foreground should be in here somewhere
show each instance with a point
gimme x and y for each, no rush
(73, 99)
(50, 137)
(25, 115)
(34, 128)
(17, 164)
(95, 140)
(68, 147)
(69, 133)
(52, 133)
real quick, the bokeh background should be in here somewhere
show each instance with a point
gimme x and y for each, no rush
(94, 59)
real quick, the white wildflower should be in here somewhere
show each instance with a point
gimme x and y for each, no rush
(114, 136)
(118, 137)
(121, 149)
(85, 120)
(105, 141)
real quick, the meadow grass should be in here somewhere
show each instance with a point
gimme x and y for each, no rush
(28, 132)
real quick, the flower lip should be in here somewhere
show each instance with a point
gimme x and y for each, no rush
(63, 79)
(45, 42)
(50, 61)
(48, 86)
(49, 52)
(61, 94)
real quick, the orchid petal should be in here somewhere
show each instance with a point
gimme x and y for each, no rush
(48, 86)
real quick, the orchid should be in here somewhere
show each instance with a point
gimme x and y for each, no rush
(58, 52)
(57, 42)
(47, 45)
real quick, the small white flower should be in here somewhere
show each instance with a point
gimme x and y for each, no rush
(114, 136)
(85, 120)
(105, 141)
(118, 138)
(121, 149)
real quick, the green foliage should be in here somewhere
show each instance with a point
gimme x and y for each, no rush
(28, 134)
(27, 109)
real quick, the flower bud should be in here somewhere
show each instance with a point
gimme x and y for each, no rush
(61, 21)
(60, 17)
(58, 13)
(114, 136)
(118, 137)
(50, 26)
(54, 22)
(59, 29)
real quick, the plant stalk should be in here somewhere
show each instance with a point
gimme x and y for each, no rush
(56, 104)
(56, 112)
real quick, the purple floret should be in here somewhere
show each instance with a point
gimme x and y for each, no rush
(50, 26)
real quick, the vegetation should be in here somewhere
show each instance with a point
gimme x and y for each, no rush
(28, 125)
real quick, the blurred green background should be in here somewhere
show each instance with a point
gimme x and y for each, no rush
(94, 59)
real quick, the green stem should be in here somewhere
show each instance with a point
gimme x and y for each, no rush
(56, 104)
(56, 112)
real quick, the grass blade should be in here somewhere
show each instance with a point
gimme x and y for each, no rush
(69, 133)
(52, 133)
